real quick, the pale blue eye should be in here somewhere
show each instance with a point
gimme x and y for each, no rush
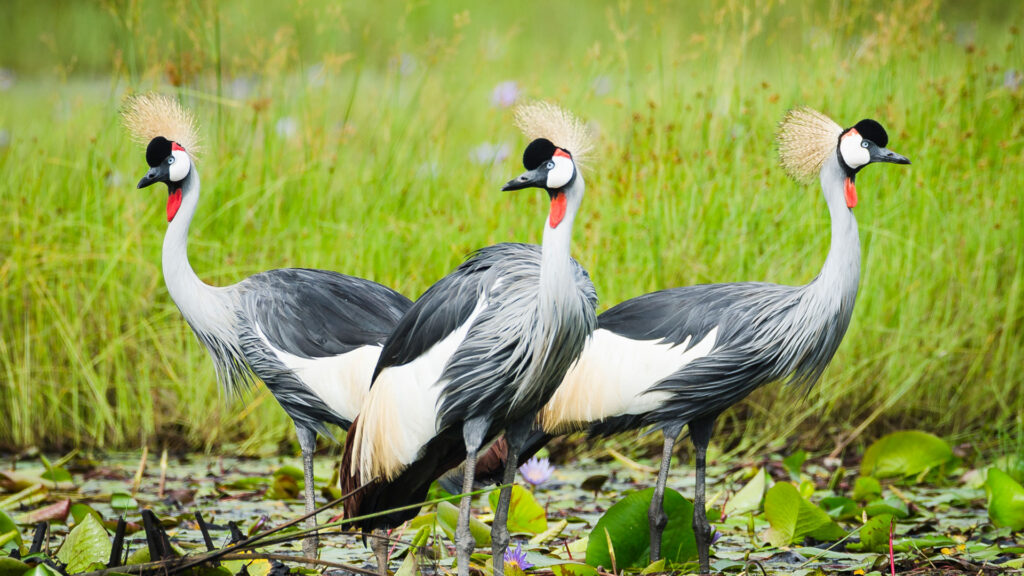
(864, 144)
(170, 159)
(550, 165)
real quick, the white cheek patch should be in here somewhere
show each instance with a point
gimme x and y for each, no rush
(179, 169)
(560, 175)
(853, 153)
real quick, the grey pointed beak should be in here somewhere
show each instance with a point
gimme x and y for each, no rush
(886, 155)
(154, 175)
(530, 179)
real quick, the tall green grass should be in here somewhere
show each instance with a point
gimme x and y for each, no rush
(342, 137)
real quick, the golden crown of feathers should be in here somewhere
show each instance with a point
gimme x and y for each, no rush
(806, 137)
(147, 116)
(546, 120)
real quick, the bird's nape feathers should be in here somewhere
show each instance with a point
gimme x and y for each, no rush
(543, 119)
(149, 115)
(805, 138)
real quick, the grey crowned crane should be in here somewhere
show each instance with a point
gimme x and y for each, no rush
(682, 356)
(311, 336)
(480, 352)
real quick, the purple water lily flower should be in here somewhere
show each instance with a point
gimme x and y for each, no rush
(516, 558)
(535, 471)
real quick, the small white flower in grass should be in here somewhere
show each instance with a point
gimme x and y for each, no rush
(1012, 80)
(287, 127)
(601, 85)
(505, 94)
(488, 153)
(535, 471)
(7, 78)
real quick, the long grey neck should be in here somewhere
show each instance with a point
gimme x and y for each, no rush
(556, 258)
(205, 307)
(835, 288)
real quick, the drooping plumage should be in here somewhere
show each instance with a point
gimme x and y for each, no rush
(478, 353)
(680, 357)
(311, 336)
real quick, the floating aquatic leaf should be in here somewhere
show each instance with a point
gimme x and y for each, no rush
(792, 517)
(56, 512)
(892, 506)
(793, 463)
(86, 546)
(7, 525)
(904, 454)
(866, 488)
(525, 515)
(874, 536)
(121, 502)
(749, 498)
(553, 531)
(448, 519)
(626, 526)
(12, 566)
(1005, 500)
(594, 483)
(840, 507)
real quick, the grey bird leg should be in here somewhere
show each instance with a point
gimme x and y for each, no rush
(473, 432)
(656, 513)
(379, 545)
(307, 443)
(700, 434)
(515, 435)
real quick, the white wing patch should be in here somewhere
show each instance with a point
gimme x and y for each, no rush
(340, 381)
(612, 376)
(399, 415)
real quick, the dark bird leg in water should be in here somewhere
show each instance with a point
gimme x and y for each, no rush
(656, 514)
(515, 436)
(307, 443)
(700, 435)
(473, 432)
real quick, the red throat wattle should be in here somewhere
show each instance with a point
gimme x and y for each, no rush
(558, 204)
(173, 203)
(851, 193)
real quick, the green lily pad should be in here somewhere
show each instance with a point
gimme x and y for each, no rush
(874, 536)
(904, 454)
(12, 566)
(624, 531)
(866, 488)
(792, 517)
(1005, 500)
(525, 515)
(86, 545)
(7, 525)
(448, 520)
(749, 498)
(891, 506)
(793, 463)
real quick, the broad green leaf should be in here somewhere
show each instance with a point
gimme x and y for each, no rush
(448, 520)
(904, 454)
(8, 525)
(87, 544)
(840, 507)
(122, 501)
(626, 525)
(866, 488)
(874, 536)
(80, 510)
(56, 475)
(1005, 500)
(525, 515)
(573, 569)
(749, 498)
(41, 570)
(656, 567)
(553, 531)
(892, 506)
(12, 566)
(408, 567)
(792, 517)
(793, 463)
(293, 472)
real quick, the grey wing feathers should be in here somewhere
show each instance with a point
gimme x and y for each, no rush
(317, 313)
